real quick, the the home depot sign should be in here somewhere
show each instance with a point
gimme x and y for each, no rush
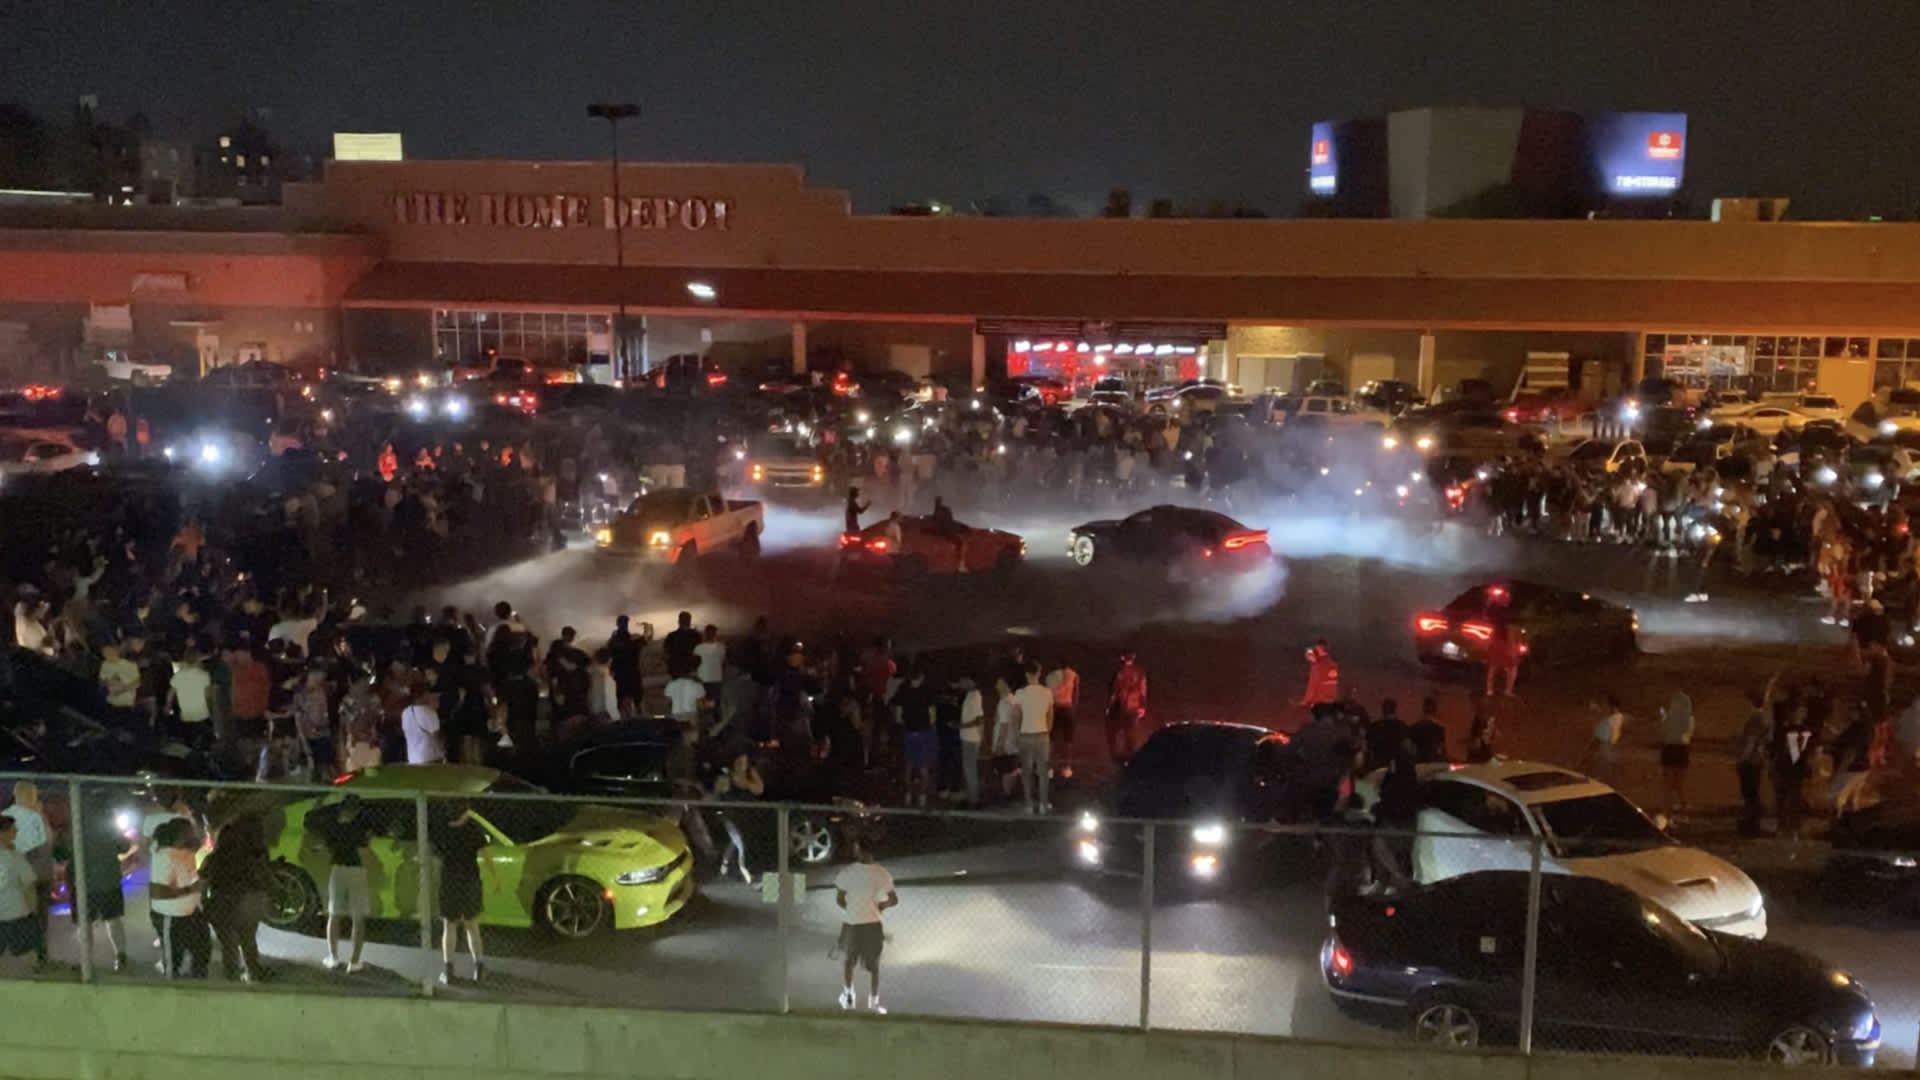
(694, 213)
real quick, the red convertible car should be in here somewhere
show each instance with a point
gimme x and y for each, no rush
(931, 545)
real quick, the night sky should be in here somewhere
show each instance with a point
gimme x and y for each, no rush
(903, 102)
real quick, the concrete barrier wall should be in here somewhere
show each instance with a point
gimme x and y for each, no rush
(57, 1031)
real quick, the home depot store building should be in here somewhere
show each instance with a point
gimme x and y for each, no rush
(396, 265)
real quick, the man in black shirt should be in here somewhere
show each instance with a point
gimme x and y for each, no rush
(624, 652)
(345, 827)
(680, 645)
(915, 702)
(1429, 739)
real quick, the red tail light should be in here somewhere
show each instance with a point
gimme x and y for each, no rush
(1478, 631)
(849, 539)
(876, 545)
(1207, 552)
(1513, 414)
(1429, 624)
(1240, 540)
(716, 378)
(1340, 961)
(343, 778)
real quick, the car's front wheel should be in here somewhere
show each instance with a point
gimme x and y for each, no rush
(573, 908)
(1081, 550)
(1798, 1044)
(811, 840)
(1445, 1023)
(292, 900)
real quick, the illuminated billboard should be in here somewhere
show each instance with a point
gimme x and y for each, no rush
(1323, 161)
(1639, 155)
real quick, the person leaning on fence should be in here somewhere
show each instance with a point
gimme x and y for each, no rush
(457, 842)
(345, 827)
(863, 889)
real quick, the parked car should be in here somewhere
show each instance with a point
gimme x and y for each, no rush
(1615, 972)
(1487, 817)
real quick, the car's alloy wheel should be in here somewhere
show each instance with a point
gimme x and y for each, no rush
(291, 898)
(1082, 550)
(1444, 1023)
(574, 908)
(810, 840)
(1799, 1045)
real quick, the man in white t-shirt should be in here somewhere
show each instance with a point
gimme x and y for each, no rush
(712, 655)
(192, 695)
(174, 901)
(420, 723)
(20, 933)
(684, 695)
(863, 889)
(973, 727)
(1035, 705)
(119, 680)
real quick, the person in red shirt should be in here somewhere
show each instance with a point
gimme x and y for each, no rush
(250, 688)
(1323, 676)
(1126, 707)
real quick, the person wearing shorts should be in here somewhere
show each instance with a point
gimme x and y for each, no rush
(458, 841)
(863, 889)
(919, 739)
(345, 827)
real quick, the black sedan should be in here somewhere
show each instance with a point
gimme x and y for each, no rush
(630, 761)
(1617, 972)
(1183, 540)
(1546, 625)
(1217, 780)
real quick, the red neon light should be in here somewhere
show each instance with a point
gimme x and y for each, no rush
(1240, 540)
(1477, 630)
(1429, 624)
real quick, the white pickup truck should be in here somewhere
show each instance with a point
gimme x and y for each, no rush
(677, 525)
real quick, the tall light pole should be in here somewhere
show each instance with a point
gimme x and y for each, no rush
(613, 114)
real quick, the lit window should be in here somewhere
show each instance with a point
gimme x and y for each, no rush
(240, 160)
(265, 161)
(226, 141)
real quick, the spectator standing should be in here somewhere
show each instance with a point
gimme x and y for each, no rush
(1750, 756)
(1323, 678)
(1429, 739)
(104, 849)
(1064, 683)
(1676, 748)
(191, 695)
(345, 827)
(1126, 707)
(174, 901)
(623, 659)
(1603, 748)
(972, 727)
(458, 841)
(420, 723)
(119, 683)
(914, 704)
(864, 890)
(684, 695)
(679, 645)
(19, 897)
(239, 876)
(710, 657)
(1034, 705)
(313, 723)
(34, 841)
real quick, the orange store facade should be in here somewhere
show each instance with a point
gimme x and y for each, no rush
(408, 264)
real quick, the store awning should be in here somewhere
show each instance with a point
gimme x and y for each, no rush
(941, 296)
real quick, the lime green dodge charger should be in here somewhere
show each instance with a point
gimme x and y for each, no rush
(570, 868)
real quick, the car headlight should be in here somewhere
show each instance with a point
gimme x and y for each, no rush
(418, 408)
(1903, 862)
(210, 453)
(1424, 442)
(1212, 834)
(1888, 427)
(1388, 442)
(1825, 475)
(1089, 822)
(603, 537)
(1873, 479)
(660, 538)
(455, 408)
(649, 876)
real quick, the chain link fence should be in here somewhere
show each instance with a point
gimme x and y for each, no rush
(454, 882)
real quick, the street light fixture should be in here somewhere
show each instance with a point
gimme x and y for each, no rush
(613, 113)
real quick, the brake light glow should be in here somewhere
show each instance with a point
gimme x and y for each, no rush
(849, 539)
(876, 545)
(1240, 540)
(1478, 631)
(1513, 414)
(1340, 961)
(1429, 624)
(1208, 552)
(716, 378)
